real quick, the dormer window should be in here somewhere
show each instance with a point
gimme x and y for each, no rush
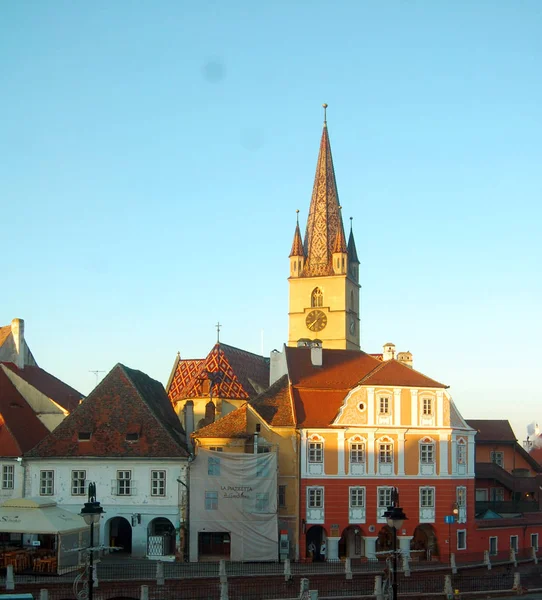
(84, 436)
(132, 436)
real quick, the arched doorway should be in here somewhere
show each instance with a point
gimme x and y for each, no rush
(160, 537)
(424, 542)
(316, 543)
(384, 542)
(352, 544)
(120, 534)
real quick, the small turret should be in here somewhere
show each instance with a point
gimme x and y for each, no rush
(389, 351)
(297, 253)
(353, 261)
(340, 253)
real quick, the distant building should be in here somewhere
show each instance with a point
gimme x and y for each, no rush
(13, 346)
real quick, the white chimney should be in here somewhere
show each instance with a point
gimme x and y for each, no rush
(189, 422)
(389, 351)
(17, 331)
(316, 355)
(405, 358)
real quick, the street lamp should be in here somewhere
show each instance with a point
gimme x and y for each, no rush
(91, 512)
(395, 518)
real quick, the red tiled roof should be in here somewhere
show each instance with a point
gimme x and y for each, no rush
(48, 384)
(20, 427)
(275, 404)
(297, 245)
(125, 398)
(492, 430)
(233, 425)
(317, 408)
(5, 332)
(393, 372)
(238, 374)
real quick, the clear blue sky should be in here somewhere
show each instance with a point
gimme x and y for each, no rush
(153, 154)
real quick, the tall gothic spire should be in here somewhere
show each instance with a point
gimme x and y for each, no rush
(324, 223)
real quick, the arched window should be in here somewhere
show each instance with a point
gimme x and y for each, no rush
(317, 298)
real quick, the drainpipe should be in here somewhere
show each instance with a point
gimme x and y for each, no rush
(186, 550)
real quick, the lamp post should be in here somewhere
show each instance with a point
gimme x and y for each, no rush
(395, 518)
(91, 512)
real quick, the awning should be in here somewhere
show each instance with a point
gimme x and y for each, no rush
(37, 515)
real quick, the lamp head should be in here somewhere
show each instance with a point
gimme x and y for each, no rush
(395, 517)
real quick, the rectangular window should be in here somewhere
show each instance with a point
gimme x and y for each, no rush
(461, 453)
(493, 548)
(262, 503)
(47, 479)
(357, 497)
(534, 541)
(427, 453)
(514, 543)
(213, 466)
(158, 483)
(384, 497)
(316, 452)
(262, 467)
(481, 495)
(497, 458)
(385, 453)
(462, 539)
(264, 449)
(357, 453)
(427, 407)
(8, 475)
(216, 448)
(315, 497)
(427, 497)
(282, 496)
(124, 483)
(78, 483)
(384, 405)
(461, 496)
(211, 500)
(84, 436)
(496, 494)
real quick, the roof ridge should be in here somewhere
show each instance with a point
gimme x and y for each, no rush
(243, 350)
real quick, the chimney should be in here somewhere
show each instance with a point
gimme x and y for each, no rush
(256, 437)
(210, 412)
(316, 354)
(405, 358)
(17, 331)
(189, 422)
(389, 351)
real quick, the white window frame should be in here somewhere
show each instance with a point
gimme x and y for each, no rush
(497, 458)
(514, 543)
(427, 450)
(534, 541)
(158, 482)
(213, 466)
(8, 477)
(386, 455)
(211, 500)
(315, 504)
(357, 455)
(124, 483)
(384, 497)
(357, 496)
(384, 405)
(78, 482)
(495, 540)
(315, 451)
(427, 402)
(427, 501)
(461, 501)
(47, 482)
(428, 407)
(461, 533)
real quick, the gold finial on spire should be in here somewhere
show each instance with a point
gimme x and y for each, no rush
(325, 112)
(297, 215)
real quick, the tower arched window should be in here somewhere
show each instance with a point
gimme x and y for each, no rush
(352, 299)
(317, 298)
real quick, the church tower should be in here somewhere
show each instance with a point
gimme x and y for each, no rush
(324, 269)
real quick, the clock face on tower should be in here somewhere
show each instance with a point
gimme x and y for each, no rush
(316, 320)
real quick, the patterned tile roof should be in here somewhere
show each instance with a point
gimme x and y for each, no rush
(492, 430)
(324, 218)
(297, 245)
(20, 427)
(236, 373)
(393, 372)
(49, 385)
(233, 425)
(340, 241)
(125, 401)
(275, 404)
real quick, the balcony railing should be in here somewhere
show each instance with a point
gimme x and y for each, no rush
(522, 506)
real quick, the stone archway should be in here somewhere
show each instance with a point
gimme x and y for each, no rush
(120, 534)
(316, 543)
(160, 537)
(424, 542)
(352, 542)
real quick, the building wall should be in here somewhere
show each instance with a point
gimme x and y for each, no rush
(8, 465)
(103, 472)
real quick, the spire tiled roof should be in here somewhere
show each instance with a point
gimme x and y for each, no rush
(324, 215)
(340, 242)
(352, 252)
(126, 401)
(297, 245)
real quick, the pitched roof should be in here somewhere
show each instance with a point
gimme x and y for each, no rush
(5, 332)
(125, 401)
(275, 405)
(492, 430)
(49, 385)
(340, 242)
(393, 372)
(324, 218)
(20, 427)
(236, 374)
(297, 244)
(233, 425)
(352, 252)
